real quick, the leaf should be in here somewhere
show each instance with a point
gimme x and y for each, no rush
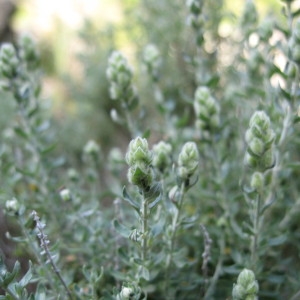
(146, 134)
(121, 229)
(277, 241)
(20, 132)
(145, 273)
(49, 149)
(128, 199)
(27, 277)
(155, 202)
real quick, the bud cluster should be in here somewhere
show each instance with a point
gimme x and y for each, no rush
(9, 61)
(260, 139)
(120, 76)
(152, 60)
(162, 156)
(196, 18)
(246, 287)
(139, 159)
(206, 110)
(29, 52)
(188, 161)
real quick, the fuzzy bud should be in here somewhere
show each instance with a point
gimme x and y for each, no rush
(9, 61)
(260, 139)
(91, 148)
(152, 60)
(12, 205)
(138, 151)
(28, 51)
(188, 160)
(257, 181)
(206, 109)
(65, 194)
(246, 287)
(120, 76)
(195, 6)
(162, 156)
(139, 158)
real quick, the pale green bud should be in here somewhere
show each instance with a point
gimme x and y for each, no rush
(268, 159)
(140, 175)
(12, 205)
(246, 287)
(195, 6)
(126, 293)
(188, 160)
(206, 109)
(260, 119)
(28, 51)
(73, 175)
(256, 146)
(138, 151)
(260, 138)
(65, 194)
(91, 148)
(162, 156)
(257, 181)
(9, 61)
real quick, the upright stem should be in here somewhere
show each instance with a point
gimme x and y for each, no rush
(256, 225)
(175, 223)
(144, 213)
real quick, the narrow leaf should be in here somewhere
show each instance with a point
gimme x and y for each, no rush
(121, 229)
(128, 199)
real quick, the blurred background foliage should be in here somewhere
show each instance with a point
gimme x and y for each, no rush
(76, 37)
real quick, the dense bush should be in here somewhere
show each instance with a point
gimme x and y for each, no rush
(204, 202)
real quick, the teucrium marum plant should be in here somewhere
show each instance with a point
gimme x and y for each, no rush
(260, 157)
(246, 287)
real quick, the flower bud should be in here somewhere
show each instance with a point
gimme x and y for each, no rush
(188, 160)
(260, 139)
(126, 293)
(12, 205)
(138, 151)
(91, 148)
(139, 158)
(246, 287)
(206, 109)
(28, 51)
(152, 60)
(257, 181)
(195, 6)
(65, 194)
(9, 61)
(120, 76)
(162, 156)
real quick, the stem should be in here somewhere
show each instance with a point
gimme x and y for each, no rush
(44, 245)
(218, 270)
(175, 223)
(256, 226)
(144, 213)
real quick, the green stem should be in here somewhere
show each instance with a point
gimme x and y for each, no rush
(144, 213)
(218, 271)
(256, 225)
(175, 223)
